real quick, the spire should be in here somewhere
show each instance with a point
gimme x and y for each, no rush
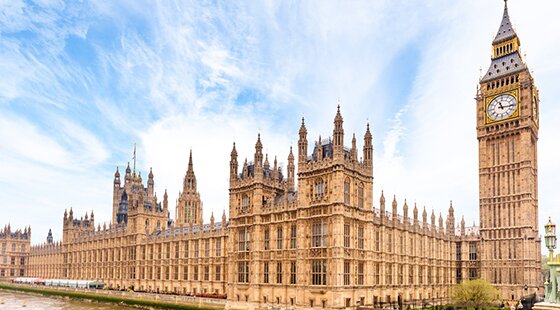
(134, 158)
(354, 152)
(190, 169)
(291, 155)
(117, 174)
(338, 133)
(302, 144)
(505, 32)
(151, 174)
(405, 210)
(302, 129)
(275, 169)
(233, 164)
(127, 171)
(266, 163)
(368, 149)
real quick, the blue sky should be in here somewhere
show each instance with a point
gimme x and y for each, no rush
(81, 82)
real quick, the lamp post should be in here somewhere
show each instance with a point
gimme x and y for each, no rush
(550, 237)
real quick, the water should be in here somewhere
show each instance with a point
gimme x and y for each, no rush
(16, 300)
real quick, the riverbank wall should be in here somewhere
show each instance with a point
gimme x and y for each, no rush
(148, 300)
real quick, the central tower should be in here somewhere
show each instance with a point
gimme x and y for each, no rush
(507, 104)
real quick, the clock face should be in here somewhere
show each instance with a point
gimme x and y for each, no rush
(502, 107)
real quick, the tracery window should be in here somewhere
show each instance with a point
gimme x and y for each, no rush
(243, 240)
(346, 273)
(279, 272)
(360, 237)
(347, 235)
(319, 188)
(293, 241)
(293, 272)
(319, 235)
(361, 195)
(266, 238)
(245, 203)
(265, 272)
(218, 247)
(361, 273)
(347, 191)
(279, 239)
(242, 272)
(319, 272)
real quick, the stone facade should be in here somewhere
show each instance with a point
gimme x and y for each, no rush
(324, 242)
(15, 247)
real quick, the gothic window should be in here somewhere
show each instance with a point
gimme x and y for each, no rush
(186, 249)
(293, 241)
(389, 242)
(472, 251)
(377, 241)
(347, 235)
(206, 273)
(319, 188)
(319, 272)
(196, 248)
(293, 271)
(346, 273)
(279, 239)
(242, 271)
(410, 275)
(218, 272)
(185, 272)
(167, 250)
(218, 247)
(401, 275)
(265, 272)
(389, 275)
(347, 191)
(266, 238)
(421, 275)
(207, 247)
(195, 273)
(361, 195)
(245, 203)
(360, 237)
(279, 272)
(361, 273)
(243, 240)
(319, 235)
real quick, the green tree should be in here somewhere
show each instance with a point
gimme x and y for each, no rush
(475, 293)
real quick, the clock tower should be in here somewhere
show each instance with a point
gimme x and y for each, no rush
(507, 105)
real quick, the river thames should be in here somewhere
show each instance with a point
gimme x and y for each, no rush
(17, 300)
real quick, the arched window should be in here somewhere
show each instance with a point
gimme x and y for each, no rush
(319, 188)
(245, 203)
(347, 191)
(361, 195)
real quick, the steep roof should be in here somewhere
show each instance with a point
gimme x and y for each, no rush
(506, 31)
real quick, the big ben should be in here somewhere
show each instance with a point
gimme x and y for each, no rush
(507, 104)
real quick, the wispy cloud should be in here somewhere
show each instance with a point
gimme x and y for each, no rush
(80, 83)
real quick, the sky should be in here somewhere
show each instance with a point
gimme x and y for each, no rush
(81, 82)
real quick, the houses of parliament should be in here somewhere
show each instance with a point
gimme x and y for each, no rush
(321, 239)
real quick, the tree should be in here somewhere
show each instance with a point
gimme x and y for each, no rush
(475, 293)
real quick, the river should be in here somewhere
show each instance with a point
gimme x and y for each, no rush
(16, 300)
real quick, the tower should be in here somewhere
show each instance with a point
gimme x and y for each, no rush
(507, 131)
(189, 206)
